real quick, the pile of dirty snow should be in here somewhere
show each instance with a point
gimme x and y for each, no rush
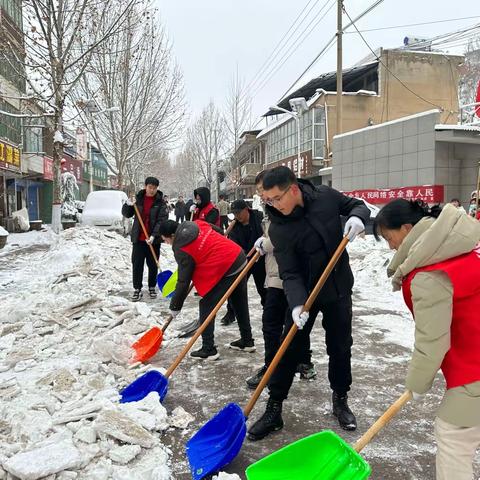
(65, 351)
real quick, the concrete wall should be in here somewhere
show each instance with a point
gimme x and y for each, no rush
(394, 154)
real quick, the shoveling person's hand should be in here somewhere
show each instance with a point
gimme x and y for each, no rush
(193, 208)
(150, 239)
(259, 246)
(173, 313)
(353, 227)
(299, 318)
(418, 397)
(130, 202)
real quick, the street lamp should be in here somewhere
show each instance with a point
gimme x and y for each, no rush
(299, 105)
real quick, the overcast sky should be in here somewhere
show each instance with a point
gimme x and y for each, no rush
(212, 38)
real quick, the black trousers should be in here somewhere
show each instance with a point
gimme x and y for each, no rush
(274, 316)
(180, 218)
(140, 253)
(337, 323)
(239, 302)
(259, 274)
(223, 222)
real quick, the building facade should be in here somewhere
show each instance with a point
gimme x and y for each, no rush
(398, 84)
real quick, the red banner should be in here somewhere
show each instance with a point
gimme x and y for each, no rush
(427, 193)
(71, 165)
(48, 168)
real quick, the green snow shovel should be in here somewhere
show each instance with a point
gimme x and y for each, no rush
(323, 455)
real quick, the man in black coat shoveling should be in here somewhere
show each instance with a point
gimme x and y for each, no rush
(153, 210)
(305, 231)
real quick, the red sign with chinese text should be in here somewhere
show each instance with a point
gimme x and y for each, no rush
(69, 164)
(48, 168)
(427, 193)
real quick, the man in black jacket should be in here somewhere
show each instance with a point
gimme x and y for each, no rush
(305, 231)
(247, 228)
(153, 210)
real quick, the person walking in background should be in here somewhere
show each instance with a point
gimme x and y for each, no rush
(247, 228)
(223, 208)
(212, 262)
(204, 208)
(305, 231)
(180, 207)
(437, 266)
(188, 213)
(152, 208)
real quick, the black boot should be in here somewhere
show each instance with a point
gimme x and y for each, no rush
(228, 318)
(254, 380)
(345, 417)
(270, 421)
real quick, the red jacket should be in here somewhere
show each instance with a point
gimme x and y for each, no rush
(213, 254)
(202, 214)
(461, 364)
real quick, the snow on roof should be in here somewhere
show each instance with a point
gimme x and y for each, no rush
(462, 128)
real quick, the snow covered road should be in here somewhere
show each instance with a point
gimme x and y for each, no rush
(66, 326)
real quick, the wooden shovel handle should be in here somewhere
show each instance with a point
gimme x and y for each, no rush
(147, 236)
(230, 227)
(204, 325)
(382, 421)
(293, 329)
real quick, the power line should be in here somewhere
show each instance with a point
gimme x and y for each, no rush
(271, 57)
(299, 41)
(415, 24)
(386, 68)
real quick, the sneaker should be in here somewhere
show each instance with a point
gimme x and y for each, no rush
(206, 353)
(242, 345)
(307, 371)
(269, 422)
(253, 381)
(228, 319)
(152, 292)
(137, 295)
(345, 417)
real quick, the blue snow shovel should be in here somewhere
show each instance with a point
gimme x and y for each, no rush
(142, 386)
(219, 441)
(163, 382)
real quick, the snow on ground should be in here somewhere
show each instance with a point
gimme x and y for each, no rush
(66, 326)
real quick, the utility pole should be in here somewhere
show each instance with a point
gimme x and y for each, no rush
(339, 66)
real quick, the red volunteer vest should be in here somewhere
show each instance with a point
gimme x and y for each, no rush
(461, 364)
(202, 214)
(213, 254)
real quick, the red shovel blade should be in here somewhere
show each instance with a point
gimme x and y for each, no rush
(147, 345)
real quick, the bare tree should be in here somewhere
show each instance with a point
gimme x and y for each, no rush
(238, 112)
(470, 78)
(134, 71)
(55, 59)
(185, 173)
(204, 143)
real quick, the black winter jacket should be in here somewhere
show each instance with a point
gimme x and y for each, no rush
(305, 240)
(246, 235)
(158, 214)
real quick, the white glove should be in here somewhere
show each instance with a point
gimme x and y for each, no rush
(193, 208)
(353, 227)
(129, 202)
(259, 246)
(151, 239)
(418, 397)
(299, 318)
(174, 313)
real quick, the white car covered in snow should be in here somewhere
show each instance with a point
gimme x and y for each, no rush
(103, 208)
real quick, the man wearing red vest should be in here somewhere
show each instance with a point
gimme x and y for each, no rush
(437, 266)
(212, 262)
(204, 209)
